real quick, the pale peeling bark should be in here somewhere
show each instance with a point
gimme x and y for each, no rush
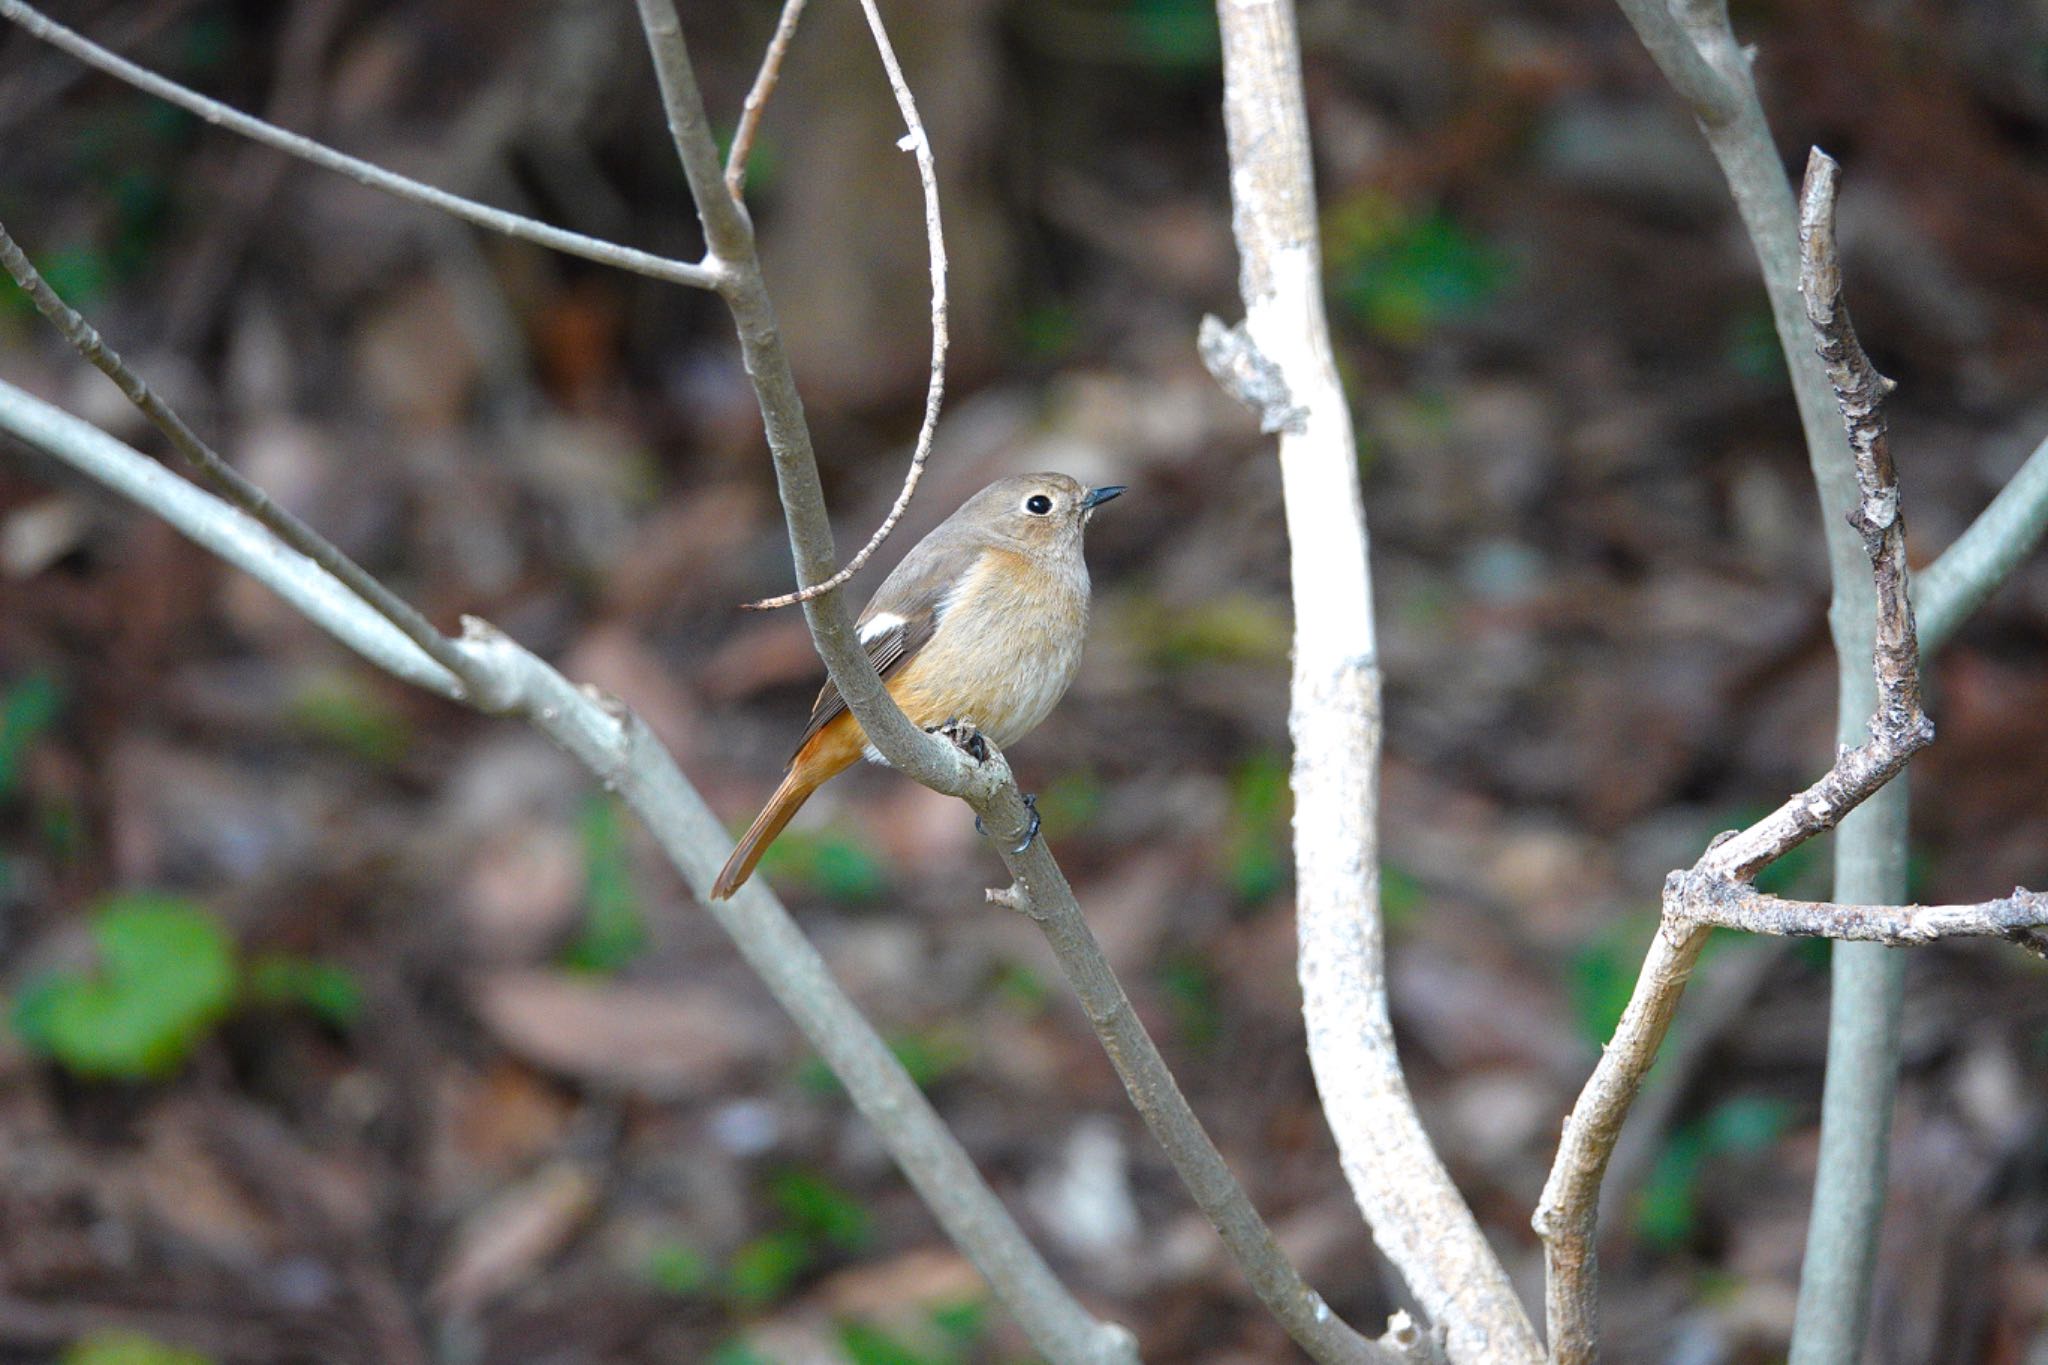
(1280, 362)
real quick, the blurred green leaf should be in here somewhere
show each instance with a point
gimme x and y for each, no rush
(28, 707)
(340, 708)
(1022, 989)
(964, 1323)
(736, 1352)
(828, 862)
(1752, 348)
(1258, 848)
(166, 975)
(929, 1057)
(1071, 802)
(820, 1210)
(866, 1344)
(1401, 896)
(129, 1348)
(1400, 273)
(1175, 33)
(932, 1055)
(677, 1268)
(327, 989)
(1604, 971)
(1667, 1210)
(1189, 985)
(766, 1268)
(1047, 332)
(614, 930)
(1236, 627)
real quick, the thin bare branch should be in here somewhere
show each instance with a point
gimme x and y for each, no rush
(238, 490)
(1280, 362)
(1984, 555)
(39, 25)
(1704, 898)
(1567, 1217)
(919, 144)
(758, 96)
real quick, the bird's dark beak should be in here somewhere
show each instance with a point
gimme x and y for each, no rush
(1098, 496)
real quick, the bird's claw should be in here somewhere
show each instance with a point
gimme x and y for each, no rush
(965, 736)
(1030, 830)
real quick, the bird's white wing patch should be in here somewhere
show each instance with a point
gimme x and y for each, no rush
(880, 624)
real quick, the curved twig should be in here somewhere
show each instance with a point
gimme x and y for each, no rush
(41, 26)
(919, 144)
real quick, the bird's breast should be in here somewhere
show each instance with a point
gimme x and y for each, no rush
(1007, 646)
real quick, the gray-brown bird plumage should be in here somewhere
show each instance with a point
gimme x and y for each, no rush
(983, 620)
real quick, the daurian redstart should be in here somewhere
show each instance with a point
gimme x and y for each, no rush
(982, 622)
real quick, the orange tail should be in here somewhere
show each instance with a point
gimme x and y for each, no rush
(827, 755)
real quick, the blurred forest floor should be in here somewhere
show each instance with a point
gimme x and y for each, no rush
(402, 1045)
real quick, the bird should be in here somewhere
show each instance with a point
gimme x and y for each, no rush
(980, 624)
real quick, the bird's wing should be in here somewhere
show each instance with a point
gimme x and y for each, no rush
(901, 618)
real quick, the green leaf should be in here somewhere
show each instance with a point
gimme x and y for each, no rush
(1603, 974)
(1191, 992)
(1179, 34)
(736, 1352)
(129, 1348)
(28, 707)
(828, 862)
(820, 1210)
(678, 1268)
(166, 975)
(963, 1323)
(338, 707)
(1667, 1210)
(1400, 273)
(1260, 853)
(766, 1268)
(614, 929)
(867, 1344)
(327, 989)
(1401, 896)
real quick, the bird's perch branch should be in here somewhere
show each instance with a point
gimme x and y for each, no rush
(1280, 362)
(1718, 890)
(986, 786)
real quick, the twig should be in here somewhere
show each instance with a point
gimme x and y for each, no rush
(1704, 898)
(1717, 889)
(1417, 1217)
(39, 25)
(222, 475)
(619, 752)
(758, 96)
(987, 785)
(919, 144)
(1947, 591)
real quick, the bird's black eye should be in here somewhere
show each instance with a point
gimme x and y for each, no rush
(1038, 504)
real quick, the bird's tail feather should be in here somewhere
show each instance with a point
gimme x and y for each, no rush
(788, 799)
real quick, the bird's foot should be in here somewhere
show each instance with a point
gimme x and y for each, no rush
(964, 736)
(1030, 830)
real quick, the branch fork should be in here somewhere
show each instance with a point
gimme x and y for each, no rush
(1718, 890)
